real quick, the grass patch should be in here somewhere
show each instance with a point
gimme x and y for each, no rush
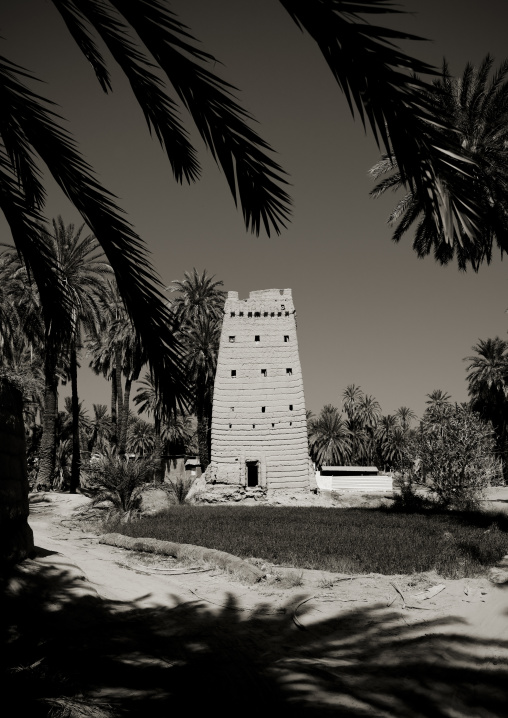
(338, 540)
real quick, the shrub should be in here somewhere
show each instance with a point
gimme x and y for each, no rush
(119, 480)
(179, 488)
(456, 454)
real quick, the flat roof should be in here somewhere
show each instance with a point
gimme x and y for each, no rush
(349, 471)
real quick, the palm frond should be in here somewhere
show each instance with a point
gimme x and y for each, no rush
(24, 223)
(159, 110)
(254, 179)
(373, 74)
(16, 144)
(140, 288)
(394, 183)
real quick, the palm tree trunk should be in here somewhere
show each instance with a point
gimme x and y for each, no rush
(114, 401)
(157, 454)
(119, 394)
(48, 441)
(125, 415)
(16, 538)
(76, 454)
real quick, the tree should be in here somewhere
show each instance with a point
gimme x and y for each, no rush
(457, 456)
(404, 416)
(487, 378)
(330, 438)
(141, 438)
(179, 434)
(198, 296)
(117, 350)
(363, 413)
(81, 265)
(148, 401)
(147, 41)
(477, 112)
(198, 311)
(201, 341)
(437, 399)
(100, 427)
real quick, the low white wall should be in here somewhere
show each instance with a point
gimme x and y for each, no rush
(354, 483)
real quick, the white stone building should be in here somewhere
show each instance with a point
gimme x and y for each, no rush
(259, 427)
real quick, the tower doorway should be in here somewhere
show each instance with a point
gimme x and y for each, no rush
(252, 473)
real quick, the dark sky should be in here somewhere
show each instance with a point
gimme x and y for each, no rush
(369, 312)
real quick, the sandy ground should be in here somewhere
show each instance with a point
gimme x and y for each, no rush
(306, 642)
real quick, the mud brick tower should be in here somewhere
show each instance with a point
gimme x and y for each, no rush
(259, 426)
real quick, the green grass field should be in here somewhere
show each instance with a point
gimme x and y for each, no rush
(339, 540)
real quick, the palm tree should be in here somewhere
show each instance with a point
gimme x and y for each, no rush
(105, 353)
(362, 413)
(404, 416)
(117, 349)
(134, 358)
(83, 422)
(198, 312)
(439, 408)
(81, 265)
(100, 427)
(487, 380)
(199, 296)
(351, 398)
(147, 40)
(437, 399)
(201, 340)
(330, 438)
(149, 43)
(488, 369)
(140, 438)
(148, 400)
(178, 434)
(477, 109)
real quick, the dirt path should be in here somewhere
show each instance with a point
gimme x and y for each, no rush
(351, 646)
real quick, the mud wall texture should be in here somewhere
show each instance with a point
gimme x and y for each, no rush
(259, 415)
(16, 538)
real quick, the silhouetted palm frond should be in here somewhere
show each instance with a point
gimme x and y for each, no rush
(254, 179)
(141, 290)
(477, 112)
(380, 84)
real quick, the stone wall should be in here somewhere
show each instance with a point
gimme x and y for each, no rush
(259, 406)
(16, 538)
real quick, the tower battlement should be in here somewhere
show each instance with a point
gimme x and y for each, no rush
(259, 426)
(268, 303)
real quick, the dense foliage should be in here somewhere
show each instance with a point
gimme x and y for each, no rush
(453, 453)
(360, 435)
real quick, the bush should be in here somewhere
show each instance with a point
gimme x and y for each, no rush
(456, 453)
(119, 480)
(179, 488)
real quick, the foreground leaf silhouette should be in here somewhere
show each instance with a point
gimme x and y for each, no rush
(68, 647)
(143, 37)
